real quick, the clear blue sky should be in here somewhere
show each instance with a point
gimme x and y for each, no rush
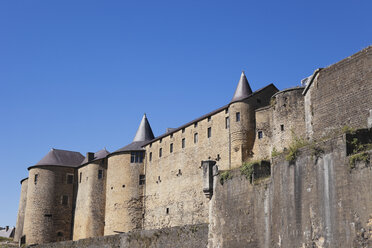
(78, 75)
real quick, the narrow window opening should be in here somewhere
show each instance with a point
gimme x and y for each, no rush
(160, 140)
(209, 132)
(183, 143)
(209, 118)
(60, 234)
(48, 215)
(237, 116)
(179, 173)
(142, 179)
(226, 111)
(195, 138)
(160, 152)
(195, 124)
(64, 199)
(36, 178)
(282, 127)
(112, 187)
(167, 211)
(100, 174)
(171, 148)
(123, 186)
(70, 178)
(183, 130)
(80, 177)
(150, 157)
(227, 122)
(260, 134)
(171, 136)
(150, 145)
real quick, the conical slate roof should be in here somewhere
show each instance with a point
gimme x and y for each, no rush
(144, 132)
(243, 90)
(61, 158)
(98, 155)
(143, 135)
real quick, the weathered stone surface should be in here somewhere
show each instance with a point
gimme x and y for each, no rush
(186, 236)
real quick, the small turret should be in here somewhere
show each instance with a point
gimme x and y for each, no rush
(144, 132)
(243, 90)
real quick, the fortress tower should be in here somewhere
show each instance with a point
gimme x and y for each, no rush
(125, 183)
(21, 210)
(89, 217)
(51, 186)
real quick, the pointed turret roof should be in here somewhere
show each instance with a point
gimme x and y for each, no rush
(61, 158)
(97, 155)
(144, 134)
(243, 90)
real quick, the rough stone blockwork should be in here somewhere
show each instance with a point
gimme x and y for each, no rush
(190, 236)
(319, 200)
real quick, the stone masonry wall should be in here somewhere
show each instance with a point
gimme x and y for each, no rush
(90, 201)
(341, 95)
(316, 201)
(174, 184)
(263, 146)
(21, 210)
(45, 214)
(123, 194)
(186, 237)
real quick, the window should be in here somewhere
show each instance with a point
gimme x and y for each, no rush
(70, 179)
(160, 140)
(237, 116)
(183, 130)
(282, 127)
(167, 211)
(142, 179)
(81, 176)
(160, 152)
(260, 134)
(183, 143)
(64, 199)
(150, 145)
(150, 156)
(35, 178)
(227, 122)
(209, 132)
(171, 136)
(100, 174)
(195, 124)
(209, 118)
(226, 111)
(258, 100)
(195, 137)
(171, 148)
(136, 157)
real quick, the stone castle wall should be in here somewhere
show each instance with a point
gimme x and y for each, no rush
(341, 95)
(47, 219)
(186, 237)
(21, 210)
(311, 202)
(124, 195)
(90, 200)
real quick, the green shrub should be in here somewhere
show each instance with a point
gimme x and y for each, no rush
(247, 170)
(362, 156)
(226, 175)
(275, 153)
(293, 149)
(347, 129)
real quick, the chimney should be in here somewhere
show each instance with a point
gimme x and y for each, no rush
(90, 156)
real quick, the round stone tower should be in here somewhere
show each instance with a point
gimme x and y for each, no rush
(21, 210)
(50, 197)
(91, 196)
(288, 117)
(242, 123)
(125, 182)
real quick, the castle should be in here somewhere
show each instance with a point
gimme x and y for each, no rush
(167, 181)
